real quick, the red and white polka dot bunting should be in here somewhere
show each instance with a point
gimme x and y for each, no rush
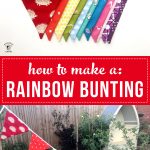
(41, 12)
(12, 126)
(38, 144)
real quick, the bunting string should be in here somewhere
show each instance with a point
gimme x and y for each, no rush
(74, 18)
(34, 135)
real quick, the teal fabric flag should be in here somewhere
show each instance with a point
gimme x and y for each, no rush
(74, 19)
(86, 20)
(80, 20)
(97, 13)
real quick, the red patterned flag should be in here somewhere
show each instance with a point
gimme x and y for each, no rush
(12, 126)
(38, 144)
(41, 11)
(56, 17)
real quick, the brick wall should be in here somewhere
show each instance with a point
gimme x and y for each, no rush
(144, 110)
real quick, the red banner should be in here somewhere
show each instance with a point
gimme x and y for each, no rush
(75, 80)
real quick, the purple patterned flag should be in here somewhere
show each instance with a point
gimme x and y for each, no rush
(113, 21)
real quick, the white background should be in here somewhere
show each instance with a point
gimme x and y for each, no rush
(132, 36)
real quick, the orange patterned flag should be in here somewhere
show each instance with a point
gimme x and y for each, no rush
(38, 144)
(55, 19)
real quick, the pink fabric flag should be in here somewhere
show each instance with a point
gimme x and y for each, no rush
(102, 19)
(12, 126)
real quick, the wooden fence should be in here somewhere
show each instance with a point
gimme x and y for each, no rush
(40, 120)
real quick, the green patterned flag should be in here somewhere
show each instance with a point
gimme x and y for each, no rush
(74, 19)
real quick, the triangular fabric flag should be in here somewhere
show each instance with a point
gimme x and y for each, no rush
(37, 143)
(40, 12)
(56, 17)
(105, 14)
(66, 16)
(74, 19)
(87, 19)
(80, 20)
(12, 126)
(113, 21)
(116, 20)
(97, 13)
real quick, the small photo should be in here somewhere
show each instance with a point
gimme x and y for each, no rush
(113, 127)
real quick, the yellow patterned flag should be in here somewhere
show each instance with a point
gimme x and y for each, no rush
(66, 16)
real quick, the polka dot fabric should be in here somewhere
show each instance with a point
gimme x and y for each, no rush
(12, 126)
(66, 16)
(41, 12)
(38, 144)
(80, 19)
(57, 15)
(73, 18)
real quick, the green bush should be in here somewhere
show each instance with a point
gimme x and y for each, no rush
(143, 139)
(16, 146)
(93, 133)
(144, 136)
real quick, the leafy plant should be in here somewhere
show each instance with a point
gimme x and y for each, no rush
(143, 140)
(93, 133)
(130, 145)
(16, 146)
(144, 136)
(64, 130)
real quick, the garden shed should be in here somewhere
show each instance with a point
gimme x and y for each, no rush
(128, 117)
